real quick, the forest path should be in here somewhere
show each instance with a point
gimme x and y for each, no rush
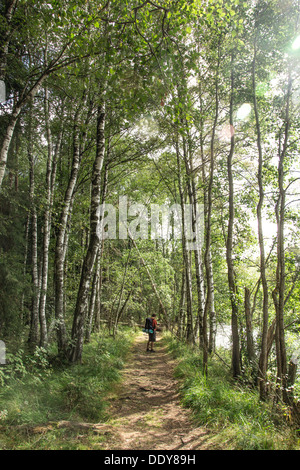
(145, 409)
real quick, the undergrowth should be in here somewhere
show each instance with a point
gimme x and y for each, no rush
(35, 390)
(232, 410)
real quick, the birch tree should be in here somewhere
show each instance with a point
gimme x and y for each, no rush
(39, 25)
(229, 242)
(95, 234)
(34, 317)
(263, 355)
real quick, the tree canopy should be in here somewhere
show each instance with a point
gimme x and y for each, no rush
(126, 107)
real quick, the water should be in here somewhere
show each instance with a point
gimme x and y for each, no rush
(223, 336)
(223, 339)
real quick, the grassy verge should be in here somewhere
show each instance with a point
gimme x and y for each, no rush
(36, 394)
(233, 412)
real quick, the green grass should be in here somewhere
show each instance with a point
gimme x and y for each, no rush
(233, 412)
(34, 393)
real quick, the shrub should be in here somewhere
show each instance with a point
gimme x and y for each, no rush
(224, 405)
(33, 391)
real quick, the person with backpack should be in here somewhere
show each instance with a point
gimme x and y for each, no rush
(150, 327)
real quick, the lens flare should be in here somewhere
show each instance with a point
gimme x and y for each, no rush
(296, 44)
(243, 112)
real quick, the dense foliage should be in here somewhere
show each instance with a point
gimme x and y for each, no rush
(169, 102)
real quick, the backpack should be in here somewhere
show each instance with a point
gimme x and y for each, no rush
(148, 326)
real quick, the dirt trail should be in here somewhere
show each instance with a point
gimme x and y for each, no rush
(146, 412)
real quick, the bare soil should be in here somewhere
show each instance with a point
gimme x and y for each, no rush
(145, 409)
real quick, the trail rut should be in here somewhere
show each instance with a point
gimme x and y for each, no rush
(145, 410)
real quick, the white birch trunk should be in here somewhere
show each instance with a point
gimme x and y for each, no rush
(33, 339)
(62, 242)
(94, 241)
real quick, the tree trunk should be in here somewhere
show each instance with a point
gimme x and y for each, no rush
(61, 243)
(292, 374)
(263, 360)
(212, 313)
(207, 256)
(92, 303)
(229, 246)
(25, 265)
(181, 307)
(100, 254)
(6, 35)
(212, 316)
(7, 140)
(249, 329)
(197, 246)
(94, 241)
(50, 181)
(278, 293)
(26, 96)
(33, 339)
(186, 258)
(95, 300)
(98, 299)
(13, 121)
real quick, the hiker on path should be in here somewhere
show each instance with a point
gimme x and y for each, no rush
(152, 336)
